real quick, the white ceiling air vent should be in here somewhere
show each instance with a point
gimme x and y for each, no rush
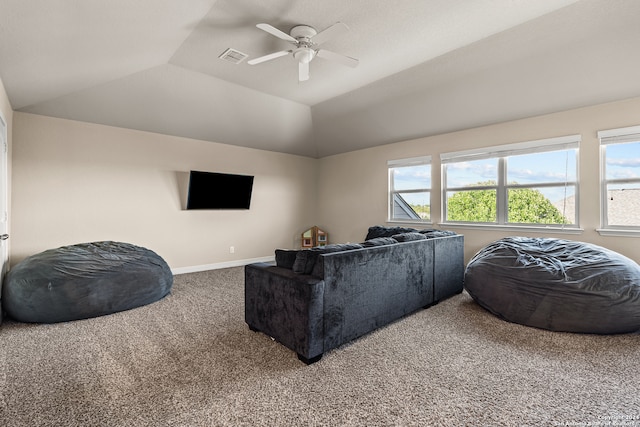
(232, 55)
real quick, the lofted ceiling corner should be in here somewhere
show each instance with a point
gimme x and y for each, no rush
(52, 48)
(550, 64)
(171, 100)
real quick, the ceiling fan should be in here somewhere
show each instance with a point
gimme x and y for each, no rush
(306, 41)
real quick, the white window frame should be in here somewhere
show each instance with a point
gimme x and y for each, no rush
(501, 153)
(608, 137)
(392, 164)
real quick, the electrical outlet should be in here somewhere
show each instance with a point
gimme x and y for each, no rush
(232, 249)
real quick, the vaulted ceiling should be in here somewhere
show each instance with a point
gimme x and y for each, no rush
(425, 66)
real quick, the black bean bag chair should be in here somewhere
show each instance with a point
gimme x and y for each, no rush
(85, 280)
(556, 284)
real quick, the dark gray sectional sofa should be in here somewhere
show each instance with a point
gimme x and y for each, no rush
(317, 299)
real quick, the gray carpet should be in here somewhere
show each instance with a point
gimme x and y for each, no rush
(190, 360)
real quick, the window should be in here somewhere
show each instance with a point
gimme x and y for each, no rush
(620, 176)
(410, 189)
(532, 183)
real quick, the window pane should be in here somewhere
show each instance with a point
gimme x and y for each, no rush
(410, 192)
(532, 186)
(467, 174)
(623, 204)
(623, 161)
(536, 168)
(564, 199)
(553, 205)
(471, 206)
(415, 206)
(412, 177)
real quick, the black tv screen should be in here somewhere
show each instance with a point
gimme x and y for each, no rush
(212, 190)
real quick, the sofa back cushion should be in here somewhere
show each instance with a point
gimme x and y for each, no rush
(379, 241)
(306, 259)
(433, 234)
(285, 258)
(303, 262)
(381, 231)
(409, 237)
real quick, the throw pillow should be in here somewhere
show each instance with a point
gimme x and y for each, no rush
(300, 264)
(432, 234)
(408, 237)
(306, 259)
(379, 241)
(381, 231)
(285, 258)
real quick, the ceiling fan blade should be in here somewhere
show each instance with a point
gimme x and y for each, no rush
(333, 31)
(303, 71)
(332, 56)
(276, 32)
(268, 57)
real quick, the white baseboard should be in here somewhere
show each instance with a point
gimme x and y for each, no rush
(218, 265)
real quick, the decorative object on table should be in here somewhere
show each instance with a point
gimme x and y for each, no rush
(314, 237)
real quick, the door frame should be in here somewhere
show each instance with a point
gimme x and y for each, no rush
(4, 194)
(4, 201)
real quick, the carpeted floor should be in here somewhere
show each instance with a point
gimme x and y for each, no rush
(190, 360)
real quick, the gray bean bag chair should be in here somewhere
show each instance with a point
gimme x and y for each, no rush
(84, 280)
(556, 284)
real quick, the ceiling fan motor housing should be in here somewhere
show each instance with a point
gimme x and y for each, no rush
(303, 33)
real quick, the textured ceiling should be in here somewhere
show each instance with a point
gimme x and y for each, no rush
(426, 66)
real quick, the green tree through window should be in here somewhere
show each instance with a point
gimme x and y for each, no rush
(526, 206)
(472, 206)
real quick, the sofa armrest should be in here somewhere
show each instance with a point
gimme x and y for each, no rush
(286, 306)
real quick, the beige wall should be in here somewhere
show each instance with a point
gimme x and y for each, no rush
(77, 182)
(353, 186)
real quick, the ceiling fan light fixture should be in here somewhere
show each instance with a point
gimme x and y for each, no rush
(304, 54)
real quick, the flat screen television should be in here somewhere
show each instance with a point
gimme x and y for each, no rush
(212, 190)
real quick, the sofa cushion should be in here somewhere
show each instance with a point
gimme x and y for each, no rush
(432, 234)
(409, 237)
(379, 241)
(300, 264)
(306, 259)
(318, 265)
(381, 231)
(285, 258)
